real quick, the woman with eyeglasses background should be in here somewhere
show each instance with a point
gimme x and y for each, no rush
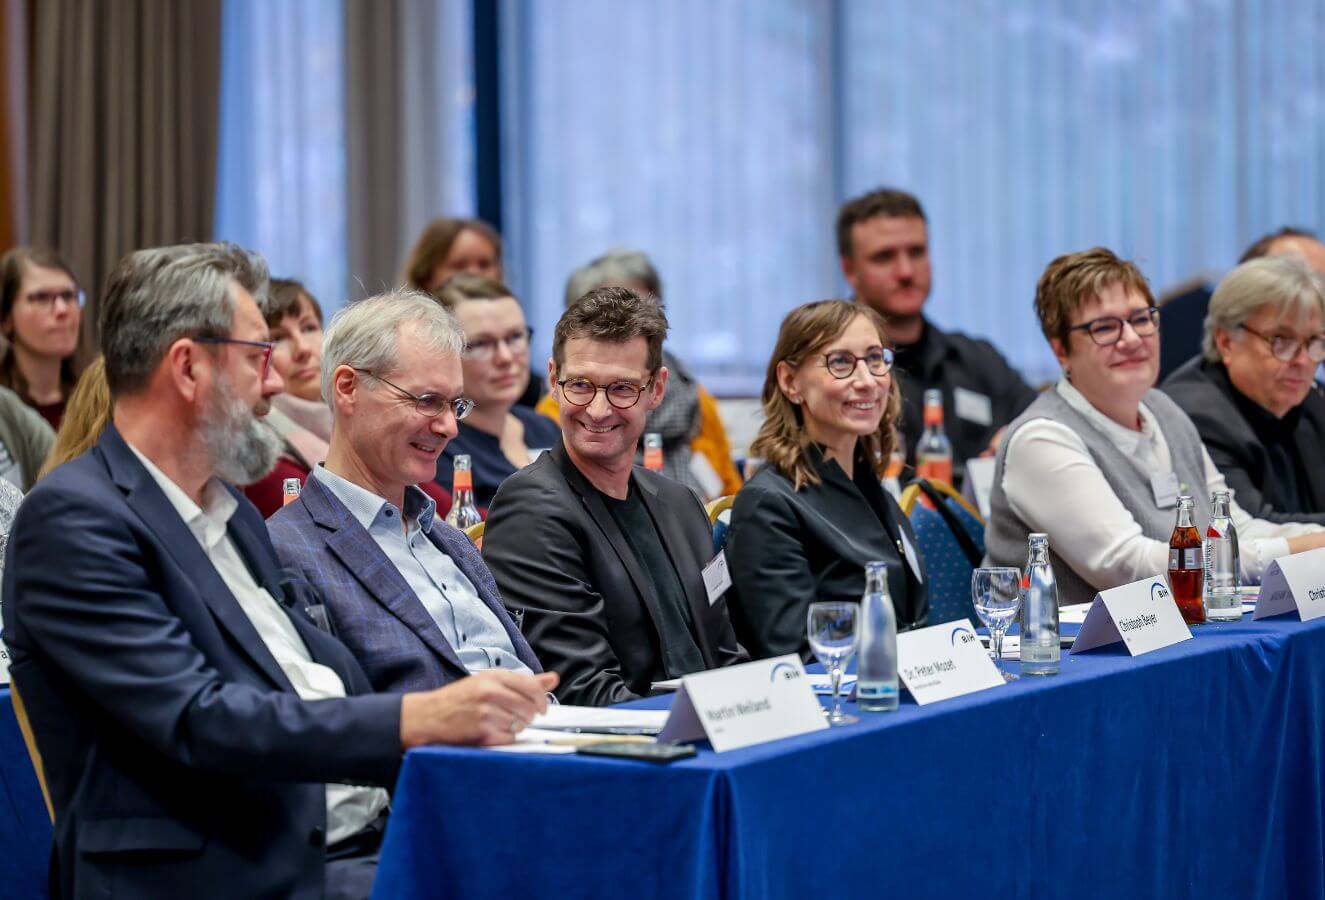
(499, 436)
(1252, 393)
(41, 307)
(298, 415)
(804, 526)
(1097, 461)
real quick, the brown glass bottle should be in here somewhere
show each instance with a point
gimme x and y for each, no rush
(1187, 565)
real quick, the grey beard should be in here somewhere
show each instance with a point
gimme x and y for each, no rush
(242, 448)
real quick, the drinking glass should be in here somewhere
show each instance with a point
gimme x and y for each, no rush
(997, 596)
(832, 631)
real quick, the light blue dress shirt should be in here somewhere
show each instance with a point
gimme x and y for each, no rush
(468, 624)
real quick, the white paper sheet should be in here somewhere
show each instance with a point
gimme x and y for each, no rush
(601, 720)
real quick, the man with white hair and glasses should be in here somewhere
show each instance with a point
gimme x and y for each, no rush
(406, 592)
(202, 736)
(1251, 394)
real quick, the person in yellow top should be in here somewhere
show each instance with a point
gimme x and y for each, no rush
(696, 451)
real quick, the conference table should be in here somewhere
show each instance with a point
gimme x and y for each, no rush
(25, 826)
(1193, 770)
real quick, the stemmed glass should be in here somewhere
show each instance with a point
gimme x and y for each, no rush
(832, 630)
(997, 596)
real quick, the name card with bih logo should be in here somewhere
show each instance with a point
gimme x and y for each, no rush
(1143, 615)
(944, 661)
(743, 705)
(1294, 582)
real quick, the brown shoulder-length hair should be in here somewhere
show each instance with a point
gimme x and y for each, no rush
(782, 440)
(86, 416)
(13, 265)
(434, 245)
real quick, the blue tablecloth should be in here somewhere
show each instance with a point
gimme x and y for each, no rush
(25, 826)
(1195, 770)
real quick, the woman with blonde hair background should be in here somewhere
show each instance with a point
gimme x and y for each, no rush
(809, 520)
(85, 417)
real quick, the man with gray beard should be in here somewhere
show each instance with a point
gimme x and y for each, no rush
(202, 735)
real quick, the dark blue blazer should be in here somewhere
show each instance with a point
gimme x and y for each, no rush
(372, 607)
(181, 762)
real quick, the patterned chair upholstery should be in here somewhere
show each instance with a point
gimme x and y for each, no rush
(946, 565)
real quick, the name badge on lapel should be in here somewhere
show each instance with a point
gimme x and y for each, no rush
(910, 553)
(1164, 485)
(972, 406)
(299, 596)
(716, 577)
(317, 612)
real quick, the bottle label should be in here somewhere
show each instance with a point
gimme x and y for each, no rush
(1185, 558)
(876, 690)
(935, 468)
(464, 481)
(653, 460)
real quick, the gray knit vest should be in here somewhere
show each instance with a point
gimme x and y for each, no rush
(1006, 534)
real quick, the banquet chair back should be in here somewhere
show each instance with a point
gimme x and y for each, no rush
(951, 536)
(715, 510)
(25, 727)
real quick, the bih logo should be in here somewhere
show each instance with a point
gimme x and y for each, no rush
(784, 670)
(1158, 591)
(962, 634)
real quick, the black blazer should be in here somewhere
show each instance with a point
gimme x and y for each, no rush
(1220, 413)
(181, 762)
(787, 548)
(558, 554)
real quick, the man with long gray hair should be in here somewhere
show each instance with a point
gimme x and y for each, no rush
(407, 593)
(1251, 393)
(202, 737)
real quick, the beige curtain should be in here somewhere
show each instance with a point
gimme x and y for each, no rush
(13, 120)
(125, 102)
(407, 72)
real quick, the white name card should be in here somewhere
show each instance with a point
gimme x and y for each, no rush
(944, 661)
(744, 705)
(1142, 615)
(1294, 582)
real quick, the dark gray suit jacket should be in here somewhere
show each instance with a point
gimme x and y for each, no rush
(590, 609)
(1224, 418)
(374, 610)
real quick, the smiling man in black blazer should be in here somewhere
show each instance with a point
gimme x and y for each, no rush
(606, 559)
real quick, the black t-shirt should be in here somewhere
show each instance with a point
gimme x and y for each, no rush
(680, 652)
(981, 392)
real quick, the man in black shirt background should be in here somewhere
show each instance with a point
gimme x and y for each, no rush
(605, 558)
(883, 242)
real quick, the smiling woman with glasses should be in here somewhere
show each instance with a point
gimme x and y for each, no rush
(298, 415)
(41, 308)
(1252, 392)
(502, 435)
(1098, 461)
(809, 520)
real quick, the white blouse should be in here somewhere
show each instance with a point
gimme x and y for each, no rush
(1053, 484)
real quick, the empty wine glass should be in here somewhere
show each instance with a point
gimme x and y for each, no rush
(997, 596)
(832, 630)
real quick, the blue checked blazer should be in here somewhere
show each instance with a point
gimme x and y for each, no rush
(373, 609)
